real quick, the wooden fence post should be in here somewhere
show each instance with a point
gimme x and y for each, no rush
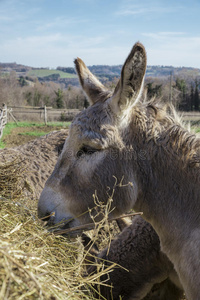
(45, 115)
(3, 119)
(10, 113)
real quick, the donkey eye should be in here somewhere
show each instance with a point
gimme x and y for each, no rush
(86, 150)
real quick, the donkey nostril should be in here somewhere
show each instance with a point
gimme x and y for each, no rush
(48, 216)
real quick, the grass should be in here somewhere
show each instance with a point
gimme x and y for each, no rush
(9, 126)
(46, 72)
(12, 125)
(33, 133)
(30, 124)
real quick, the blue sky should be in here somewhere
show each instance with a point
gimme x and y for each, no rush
(44, 33)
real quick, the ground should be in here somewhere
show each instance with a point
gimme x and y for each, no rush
(22, 135)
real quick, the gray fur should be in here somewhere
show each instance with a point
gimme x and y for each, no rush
(143, 145)
(143, 271)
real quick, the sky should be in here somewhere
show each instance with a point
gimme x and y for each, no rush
(45, 33)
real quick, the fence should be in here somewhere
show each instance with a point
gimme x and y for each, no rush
(3, 118)
(48, 114)
(191, 116)
(41, 114)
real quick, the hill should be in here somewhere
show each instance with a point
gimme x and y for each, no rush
(152, 71)
(47, 73)
(67, 75)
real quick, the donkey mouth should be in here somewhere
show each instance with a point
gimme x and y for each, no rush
(48, 218)
(52, 224)
(66, 228)
(53, 212)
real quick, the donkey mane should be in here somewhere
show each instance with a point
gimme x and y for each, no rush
(164, 128)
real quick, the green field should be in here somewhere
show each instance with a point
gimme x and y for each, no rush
(47, 72)
(13, 131)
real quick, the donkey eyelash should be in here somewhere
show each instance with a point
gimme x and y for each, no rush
(86, 150)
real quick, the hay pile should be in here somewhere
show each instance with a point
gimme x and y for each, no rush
(35, 264)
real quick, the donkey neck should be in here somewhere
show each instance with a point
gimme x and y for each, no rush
(167, 172)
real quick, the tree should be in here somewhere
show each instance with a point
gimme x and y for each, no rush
(37, 97)
(153, 91)
(192, 97)
(28, 97)
(86, 103)
(59, 98)
(22, 81)
(181, 86)
(196, 96)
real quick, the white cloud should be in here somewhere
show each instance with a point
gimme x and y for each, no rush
(141, 11)
(163, 34)
(60, 22)
(144, 8)
(5, 18)
(53, 50)
(174, 48)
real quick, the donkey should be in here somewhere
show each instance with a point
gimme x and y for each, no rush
(144, 153)
(142, 272)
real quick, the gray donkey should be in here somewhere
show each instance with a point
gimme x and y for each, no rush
(142, 271)
(137, 148)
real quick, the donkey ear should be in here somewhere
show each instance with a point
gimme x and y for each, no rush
(130, 85)
(92, 87)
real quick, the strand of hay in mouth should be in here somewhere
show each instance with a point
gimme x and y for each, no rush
(90, 226)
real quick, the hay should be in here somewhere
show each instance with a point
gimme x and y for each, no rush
(11, 178)
(34, 263)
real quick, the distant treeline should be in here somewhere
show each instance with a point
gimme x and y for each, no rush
(181, 86)
(183, 93)
(66, 70)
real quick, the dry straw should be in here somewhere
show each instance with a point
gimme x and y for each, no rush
(34, 263)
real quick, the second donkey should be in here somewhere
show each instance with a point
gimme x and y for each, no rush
(143, 272)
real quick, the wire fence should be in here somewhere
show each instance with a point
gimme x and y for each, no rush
(41, 114)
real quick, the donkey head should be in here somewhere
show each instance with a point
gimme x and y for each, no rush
(93, 157)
